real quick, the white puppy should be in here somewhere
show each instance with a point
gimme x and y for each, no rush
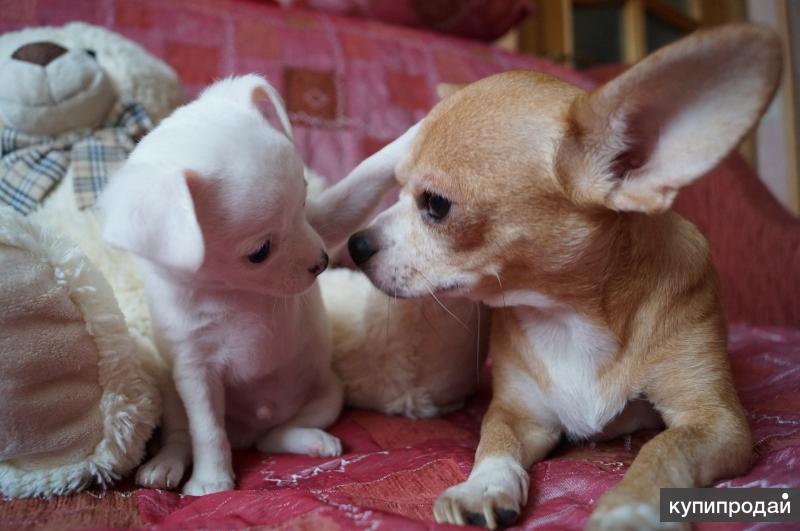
(213, 201)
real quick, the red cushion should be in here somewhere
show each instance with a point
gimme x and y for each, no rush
(351, 86)
(475, 19)
(394, 468)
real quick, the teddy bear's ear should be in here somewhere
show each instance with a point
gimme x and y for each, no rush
(254, 90)
(153, 217)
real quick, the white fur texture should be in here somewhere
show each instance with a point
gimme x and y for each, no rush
(199, 195)
(574, 350)
(249, 341)
(129, 403)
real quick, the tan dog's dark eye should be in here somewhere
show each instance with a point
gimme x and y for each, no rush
(435, 206)
(260, 255)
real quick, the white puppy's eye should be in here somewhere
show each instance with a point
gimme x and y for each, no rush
(261, 254)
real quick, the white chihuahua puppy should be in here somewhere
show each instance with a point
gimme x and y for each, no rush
(213, 202)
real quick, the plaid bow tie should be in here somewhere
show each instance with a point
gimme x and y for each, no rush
(31, 165)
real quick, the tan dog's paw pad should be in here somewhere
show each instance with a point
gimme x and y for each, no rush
(503, 517)
(460, 506)
(492, 497)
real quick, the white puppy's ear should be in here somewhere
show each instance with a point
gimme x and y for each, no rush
(153, 218)
(636, 141)
(266, 93)
(254, 90)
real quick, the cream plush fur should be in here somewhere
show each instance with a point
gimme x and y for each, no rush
(134, 74)
(78, 366)
(78, 406)
(416, 358)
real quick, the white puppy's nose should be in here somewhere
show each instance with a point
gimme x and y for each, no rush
(320, 266)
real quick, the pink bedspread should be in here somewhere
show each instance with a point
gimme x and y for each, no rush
(394, 468)
(352, 85)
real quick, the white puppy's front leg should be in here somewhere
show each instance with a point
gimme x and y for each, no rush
(203, 394)
(302, 434)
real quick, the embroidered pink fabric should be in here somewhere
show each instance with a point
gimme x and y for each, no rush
(351, 85)
(394, 468)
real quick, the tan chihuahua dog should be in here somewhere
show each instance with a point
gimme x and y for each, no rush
(553, 205)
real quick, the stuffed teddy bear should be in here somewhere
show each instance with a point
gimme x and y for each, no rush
(78, 365)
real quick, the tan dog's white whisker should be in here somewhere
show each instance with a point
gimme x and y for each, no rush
(442, 306)
(478, 359)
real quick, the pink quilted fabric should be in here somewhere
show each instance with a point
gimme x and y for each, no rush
(351, 86)
(394, 468)
(477, 19)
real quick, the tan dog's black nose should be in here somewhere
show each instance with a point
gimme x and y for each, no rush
(39, 53)
(360, 248)
(320, 266)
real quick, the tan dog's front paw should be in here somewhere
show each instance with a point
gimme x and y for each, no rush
(492, 497)
(201, 485)
(633, 516)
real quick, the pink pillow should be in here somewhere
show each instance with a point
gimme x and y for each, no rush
(477, 19)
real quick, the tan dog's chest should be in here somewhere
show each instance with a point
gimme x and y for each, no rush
(565, 380)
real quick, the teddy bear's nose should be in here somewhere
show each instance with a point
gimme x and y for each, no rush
(39, 53)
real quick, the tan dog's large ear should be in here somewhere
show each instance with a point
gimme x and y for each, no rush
(636, 141)
(153, 218)
(445, 89)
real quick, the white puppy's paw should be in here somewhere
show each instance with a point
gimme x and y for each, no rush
(630, 517)
(492, 497)
(319, 443)
(165, 470)
(200, 485)
(307, 441)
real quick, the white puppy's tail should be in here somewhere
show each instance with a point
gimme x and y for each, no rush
(252, 89)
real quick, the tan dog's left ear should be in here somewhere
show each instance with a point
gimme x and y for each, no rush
(445, 89)
(636, 141)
